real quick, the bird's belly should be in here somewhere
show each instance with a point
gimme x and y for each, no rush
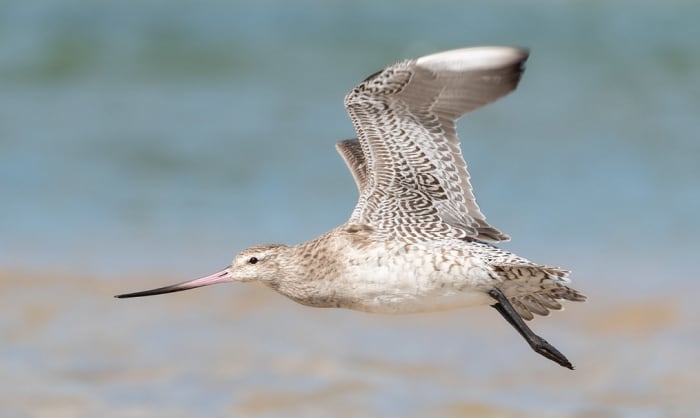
(396, 303)
(418, 286)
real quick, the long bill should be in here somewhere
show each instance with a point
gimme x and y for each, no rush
(219, 277)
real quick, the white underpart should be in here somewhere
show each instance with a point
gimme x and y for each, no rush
(417, 280)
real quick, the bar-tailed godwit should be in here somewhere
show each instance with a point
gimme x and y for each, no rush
(416, 241)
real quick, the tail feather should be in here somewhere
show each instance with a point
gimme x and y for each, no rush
(548, 302)
(534, 289)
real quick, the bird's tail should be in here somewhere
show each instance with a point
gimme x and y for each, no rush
(534, 289)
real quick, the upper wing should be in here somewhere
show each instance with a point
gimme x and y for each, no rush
(416, 182)
(351, 151)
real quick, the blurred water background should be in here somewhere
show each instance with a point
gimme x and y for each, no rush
(144, 143)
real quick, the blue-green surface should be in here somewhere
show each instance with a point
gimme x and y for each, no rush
(134, 134)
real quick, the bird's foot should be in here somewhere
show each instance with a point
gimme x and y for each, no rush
(539, 344)
(542, 347)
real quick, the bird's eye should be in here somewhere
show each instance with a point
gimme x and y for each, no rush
(253, 260)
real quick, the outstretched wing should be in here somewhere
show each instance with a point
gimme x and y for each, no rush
(416, 183)
(351, 151)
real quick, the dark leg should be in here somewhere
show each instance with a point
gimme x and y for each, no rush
(539, 344)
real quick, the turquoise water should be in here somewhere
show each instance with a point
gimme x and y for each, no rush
(135, 135)
(147, 142)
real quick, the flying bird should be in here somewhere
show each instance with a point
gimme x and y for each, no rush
(416, 241)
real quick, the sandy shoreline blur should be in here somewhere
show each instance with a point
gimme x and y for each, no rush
(72, 347)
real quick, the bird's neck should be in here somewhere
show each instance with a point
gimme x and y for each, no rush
(307, 272)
